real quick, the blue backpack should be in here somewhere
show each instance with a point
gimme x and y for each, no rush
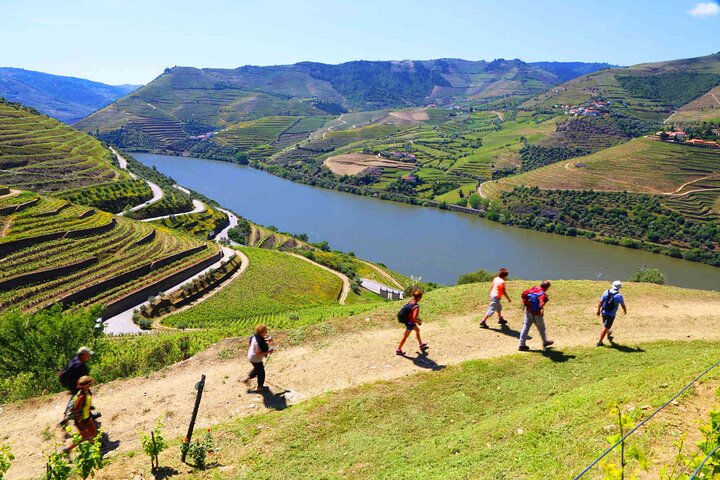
(532, 300)
(609, 302)
(404, 313)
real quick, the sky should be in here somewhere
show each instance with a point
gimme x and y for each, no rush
(131, 41)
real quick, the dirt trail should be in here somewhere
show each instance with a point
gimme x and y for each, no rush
(385, 275)
(345, 280)
(332, 363)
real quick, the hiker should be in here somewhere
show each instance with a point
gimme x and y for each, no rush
(71, 373)
(80, 413)
(534, 300)
(608, 307)
(496, 293)
(258, 351)
(409, 315)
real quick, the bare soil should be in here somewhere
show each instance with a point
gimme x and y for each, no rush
(356, 163)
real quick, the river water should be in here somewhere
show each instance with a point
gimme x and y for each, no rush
(425, 242)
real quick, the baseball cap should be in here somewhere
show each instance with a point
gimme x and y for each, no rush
(84, 381)
(617, 285)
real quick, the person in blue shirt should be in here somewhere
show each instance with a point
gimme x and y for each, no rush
(608, 307)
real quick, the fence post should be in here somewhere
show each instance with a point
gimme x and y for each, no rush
(199, 387)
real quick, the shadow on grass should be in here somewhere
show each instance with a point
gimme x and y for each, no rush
(557, 356)
(162, 473)
(274, 401)
(625, 348)
(423, 360)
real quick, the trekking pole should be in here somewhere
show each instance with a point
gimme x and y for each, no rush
(199, 387)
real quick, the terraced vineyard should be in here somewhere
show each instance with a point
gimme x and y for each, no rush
(53, 251)
(41, 154)
(641, 165)
(167, 131)
(248, 135)
(700, 200)
(202, 224)
(274, 283)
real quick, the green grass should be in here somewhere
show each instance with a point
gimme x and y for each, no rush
(526, 416)
(248, 135)
(274, 283)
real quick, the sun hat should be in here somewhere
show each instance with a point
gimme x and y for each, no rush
(85, 381)
(617, 285)
(87, 350)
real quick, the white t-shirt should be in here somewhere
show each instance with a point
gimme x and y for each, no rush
(253, 351)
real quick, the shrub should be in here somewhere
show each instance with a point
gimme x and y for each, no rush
(154, 443)
(6, 458)
(649, 275)
(476, 277)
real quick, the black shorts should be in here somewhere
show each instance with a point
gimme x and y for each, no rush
(608, 321)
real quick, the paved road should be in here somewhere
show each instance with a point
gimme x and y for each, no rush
(158, 194)
(223, 235)
(122, 324)
(198, 207)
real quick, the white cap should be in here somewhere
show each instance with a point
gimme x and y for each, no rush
(617, 285)
(87, 350)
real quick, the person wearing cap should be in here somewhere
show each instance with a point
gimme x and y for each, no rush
(608, 307)
(80, 412)
(76, 368)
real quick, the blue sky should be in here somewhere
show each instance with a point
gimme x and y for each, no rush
(132, 41)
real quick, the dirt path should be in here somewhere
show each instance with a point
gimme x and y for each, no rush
(129, 406)
(157, 192)
(668, 119)
(499, 115)
(385, 275)
(345, 280)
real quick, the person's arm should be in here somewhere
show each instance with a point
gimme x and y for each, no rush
(507, 296)
(414, 314)
(622, 304)
(599, 307)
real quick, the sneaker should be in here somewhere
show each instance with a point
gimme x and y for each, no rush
(548, 343)
(247, 381)
(424, 346)
(483, 325)
(262, 389)
(523, 348)
(399, 352)
(600, 344)
(502, 321)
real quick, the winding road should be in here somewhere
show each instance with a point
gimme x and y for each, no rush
(158, 193)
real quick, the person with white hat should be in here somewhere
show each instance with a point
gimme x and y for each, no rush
(608, 307)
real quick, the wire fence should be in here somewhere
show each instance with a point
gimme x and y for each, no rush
(643, 422)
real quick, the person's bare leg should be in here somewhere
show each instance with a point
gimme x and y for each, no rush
(603, 332)
(404, 338)
(417, 333)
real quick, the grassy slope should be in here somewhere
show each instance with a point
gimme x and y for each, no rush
(519, 416)
(273, 283)
(641, 165)
(537, 416)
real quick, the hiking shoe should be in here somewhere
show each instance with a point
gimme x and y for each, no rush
(600, 344)
(523, 348)
(502, 321)
(424, 347)
(548, 343)
(262, 389)
(399, 352)
(483, 325)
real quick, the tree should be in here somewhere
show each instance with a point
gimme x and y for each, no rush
(474, 200)
(648, 275)
(475, 277)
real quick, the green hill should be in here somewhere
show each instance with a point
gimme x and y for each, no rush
(195, 101)
(66, 98)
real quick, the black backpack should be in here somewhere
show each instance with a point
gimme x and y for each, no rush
(64, 376)
(404, 313)
(609, 301)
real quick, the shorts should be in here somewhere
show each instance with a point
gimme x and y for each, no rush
(410, 325)
(608, 321)
(495, 306)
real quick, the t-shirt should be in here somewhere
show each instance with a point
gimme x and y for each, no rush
(255, 346)
(612, 309)
(498, 288)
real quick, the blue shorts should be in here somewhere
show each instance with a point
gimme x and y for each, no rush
(608, 321)
(410, 325)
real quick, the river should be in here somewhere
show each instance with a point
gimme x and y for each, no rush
(433, 244)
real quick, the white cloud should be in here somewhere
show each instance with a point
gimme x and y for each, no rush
(705, 9)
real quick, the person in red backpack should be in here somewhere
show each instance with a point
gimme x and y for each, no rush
(534, 300)
(409, 315)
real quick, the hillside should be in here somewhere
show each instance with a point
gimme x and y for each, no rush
(483, 404)
(66, 98)
(648, 92)
(193, 101)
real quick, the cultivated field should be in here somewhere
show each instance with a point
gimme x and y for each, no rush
(355, 163)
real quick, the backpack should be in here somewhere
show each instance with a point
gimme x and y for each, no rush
(531, 299)
(404, 313)
(64, 377)
(608, 303)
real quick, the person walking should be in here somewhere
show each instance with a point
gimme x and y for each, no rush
(497, 291)
(535, 299)
(409, 315)
(73, 371)
(259, 350)
(608, 307)
(80, 412)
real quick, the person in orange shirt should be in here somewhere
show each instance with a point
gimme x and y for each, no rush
(496, 293)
